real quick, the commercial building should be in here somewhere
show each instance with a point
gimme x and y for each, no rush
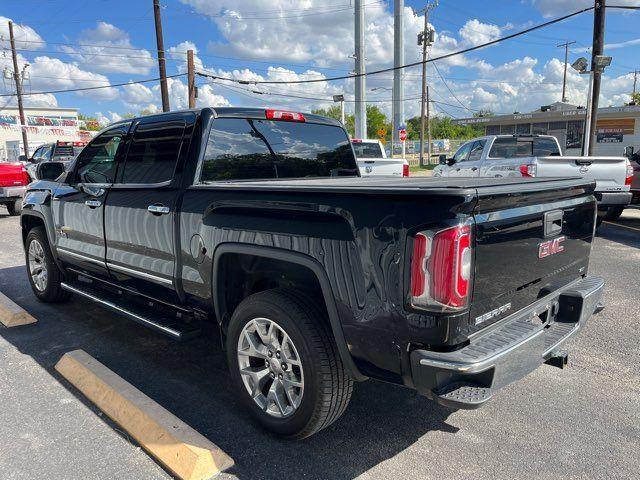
(617, 127)
(44, 125)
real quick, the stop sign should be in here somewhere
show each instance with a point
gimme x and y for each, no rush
(402, 134)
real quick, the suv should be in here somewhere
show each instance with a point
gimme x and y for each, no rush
(258, 221)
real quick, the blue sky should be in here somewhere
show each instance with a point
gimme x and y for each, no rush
(74, 43)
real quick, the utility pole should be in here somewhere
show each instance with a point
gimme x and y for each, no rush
(398, 60)
(191, 79)
(361, 105)
(635, 81)
(596, 50)
(566, 61)
(161, 62)
(18, 80)
(425, 38)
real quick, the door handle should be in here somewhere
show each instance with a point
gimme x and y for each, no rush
(158, 209)
(457, 169)
(93, 203)
(473, 169)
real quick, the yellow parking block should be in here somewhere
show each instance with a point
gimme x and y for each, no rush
(176, 445)
(12, 315)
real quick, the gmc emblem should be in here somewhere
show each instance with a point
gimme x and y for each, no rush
(551, 247)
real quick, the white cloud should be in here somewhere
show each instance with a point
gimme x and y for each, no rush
(475, 32)
(123, 58)
(25, 36)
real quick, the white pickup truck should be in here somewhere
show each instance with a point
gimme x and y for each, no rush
(372, 160)
(540, 156)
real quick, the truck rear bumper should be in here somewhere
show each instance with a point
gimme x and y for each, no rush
(8, 194)
(607, 199)
(508, 351)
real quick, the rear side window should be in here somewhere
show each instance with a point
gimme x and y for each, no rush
(514, 147)
(367, 150)
(545, 147)
(153, 152)
(254, 149)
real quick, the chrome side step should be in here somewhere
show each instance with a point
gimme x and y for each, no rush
(173, 328)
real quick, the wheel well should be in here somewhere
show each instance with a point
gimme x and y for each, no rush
(28, 222)
(241, 275)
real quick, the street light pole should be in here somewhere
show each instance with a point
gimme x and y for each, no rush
(18, 80)
(586, 145)
(425, 39)
(596, 51)
(566, 61)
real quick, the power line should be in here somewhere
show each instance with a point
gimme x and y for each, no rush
(93, 88)
(450, 91)
(414, 64)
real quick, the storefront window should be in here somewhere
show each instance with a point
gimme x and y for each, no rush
(575, 130)
(523, 128)
(507, 129)
(540, 128)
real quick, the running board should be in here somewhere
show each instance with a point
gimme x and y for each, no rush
(173, 328)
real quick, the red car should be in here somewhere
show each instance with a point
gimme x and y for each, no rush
(13, 183)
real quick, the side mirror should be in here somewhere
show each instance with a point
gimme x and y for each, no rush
(442, 159)
(23, 158)
(49, 170)
(451, 161)
(628, 151)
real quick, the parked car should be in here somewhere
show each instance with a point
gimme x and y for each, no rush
(13, 183)
(60, 151)
(540, 156)
(258, 221)
(372, 160)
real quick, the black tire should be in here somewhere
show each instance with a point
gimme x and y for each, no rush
(14, 208)
(327, 383)
(52, 291)
(613, 213)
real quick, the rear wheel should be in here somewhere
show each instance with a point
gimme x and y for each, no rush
(613, 213)
(44, 275)
(285, 364)
(14, 208)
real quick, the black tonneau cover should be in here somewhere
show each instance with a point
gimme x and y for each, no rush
(400, 186)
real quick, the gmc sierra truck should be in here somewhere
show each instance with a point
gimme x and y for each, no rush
(259, 221)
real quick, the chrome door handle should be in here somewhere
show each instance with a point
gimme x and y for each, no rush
(158, 209)
(474, 169)
(93, 203)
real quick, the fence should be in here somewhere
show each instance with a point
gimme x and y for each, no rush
(438, 147)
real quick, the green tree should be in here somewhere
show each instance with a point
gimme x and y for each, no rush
(334, 112)
(377, 123)
(443, 127)
(635, 98)
(90, 123)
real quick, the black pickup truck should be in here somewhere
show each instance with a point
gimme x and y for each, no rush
(258, 220)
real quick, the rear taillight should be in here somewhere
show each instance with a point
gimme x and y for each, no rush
(26, 179)
(629, 177)
(528, 170)
(284, 116)
(405, 170)
(441, 266)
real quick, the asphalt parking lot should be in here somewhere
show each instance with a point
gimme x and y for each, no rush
(582, 422)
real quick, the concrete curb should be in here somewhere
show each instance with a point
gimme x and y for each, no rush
(13, 315)
(174, 444)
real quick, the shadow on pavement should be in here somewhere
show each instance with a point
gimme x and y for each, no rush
(625, 230)
(191, 380)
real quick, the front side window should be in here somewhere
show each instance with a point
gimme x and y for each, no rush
(46, 154)
(463, 152)
(153, 153)
(97, 162)
(255, 149)
(476, 151)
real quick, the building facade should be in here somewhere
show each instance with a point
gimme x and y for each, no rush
(617, 127)
(44, 125)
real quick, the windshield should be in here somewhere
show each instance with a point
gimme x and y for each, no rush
(515, 147)
(250, 149)
(367, 150)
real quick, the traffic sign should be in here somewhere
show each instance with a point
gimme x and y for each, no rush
(402, 134)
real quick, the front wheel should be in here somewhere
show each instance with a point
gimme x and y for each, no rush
(285, 364)
(44, 275)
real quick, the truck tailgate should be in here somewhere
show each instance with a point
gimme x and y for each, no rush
(528, 244)
(608, 172)
(380, 166)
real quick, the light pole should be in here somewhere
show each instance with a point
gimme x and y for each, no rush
(600, 62)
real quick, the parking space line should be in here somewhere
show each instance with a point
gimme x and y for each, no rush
(623, 226)
(177, 446)
(12, 314)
